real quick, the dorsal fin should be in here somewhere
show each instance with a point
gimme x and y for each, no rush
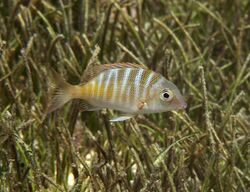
(93, 70)
(90, 72)
(122, 65)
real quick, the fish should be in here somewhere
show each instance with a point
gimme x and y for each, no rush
(126, 87)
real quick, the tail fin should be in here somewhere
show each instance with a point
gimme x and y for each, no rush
(63, 93)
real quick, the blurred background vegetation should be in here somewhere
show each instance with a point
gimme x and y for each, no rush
(202, 46)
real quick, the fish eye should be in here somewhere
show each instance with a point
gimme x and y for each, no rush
(167, 95)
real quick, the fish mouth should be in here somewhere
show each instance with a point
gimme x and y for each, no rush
(182, 105)
(179, 104)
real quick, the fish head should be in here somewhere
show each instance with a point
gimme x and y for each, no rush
(167, 97)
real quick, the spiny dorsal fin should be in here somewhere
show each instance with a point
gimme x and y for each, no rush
(93, 70)
(122, 65)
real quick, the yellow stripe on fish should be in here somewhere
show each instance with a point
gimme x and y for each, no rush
(121, 85)
(130, 88)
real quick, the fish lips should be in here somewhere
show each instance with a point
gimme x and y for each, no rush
(183, 105)
(180, 103)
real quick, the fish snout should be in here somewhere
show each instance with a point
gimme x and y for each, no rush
(183, 105)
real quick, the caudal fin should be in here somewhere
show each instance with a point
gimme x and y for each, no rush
(63, 93)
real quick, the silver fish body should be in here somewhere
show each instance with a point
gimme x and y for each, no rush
(129, 88)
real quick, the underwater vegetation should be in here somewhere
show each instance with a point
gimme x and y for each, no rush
(203, 47)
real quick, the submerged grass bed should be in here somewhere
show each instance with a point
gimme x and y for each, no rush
(202, 46)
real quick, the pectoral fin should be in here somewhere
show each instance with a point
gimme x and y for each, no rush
(121, 118)
(142, 105)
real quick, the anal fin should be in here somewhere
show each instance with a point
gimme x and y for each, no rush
(85, 106)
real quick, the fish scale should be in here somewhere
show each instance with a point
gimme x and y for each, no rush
(106, 85)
